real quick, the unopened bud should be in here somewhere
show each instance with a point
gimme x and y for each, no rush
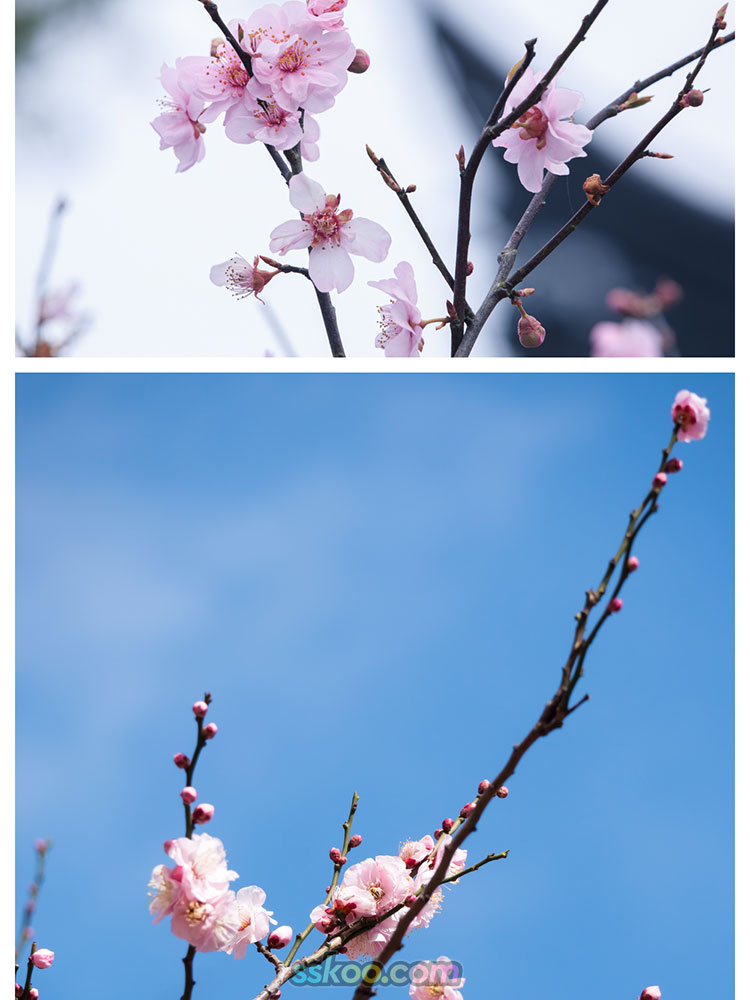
(693, 99)
(188, 795)
(720, 24)
(483, 786)
(469, 268)
(468, 809)
(280, 937)
(360, 63)
(615, 605)
(33, 993)
(651, 992)
(659, 481)
(447, 825)
(203, 813)
(531, 333)
(40, 846)
(337, 857)
(30, 906)
(634, 101)
(594, 189)
(411, 189)
(437, 834)
(182, 760)
(210, 731)
(199, 709)
(42, 958)
(502, 792)
(633, 564)
(19, 990)
(411, 898)
(355, 841)
(523, 293)
(673, 465)
(461, 157)
(451, 310)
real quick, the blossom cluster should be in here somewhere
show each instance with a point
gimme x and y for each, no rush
(299, 53)
(377, 885)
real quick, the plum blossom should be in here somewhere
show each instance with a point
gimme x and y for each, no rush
(400, 322)
(208, 925)
(203, 864)
(328, 13)
(544, 137)
(242, 279)
(178, 126)
(253, 920)
(165, 890)
(436, 981)
(331, 235)
(692, 414)
(266, 122)
(631, 339)
(414, 851)
(223, 81)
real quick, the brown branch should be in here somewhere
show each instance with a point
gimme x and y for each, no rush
(213, 12)
(189, 981)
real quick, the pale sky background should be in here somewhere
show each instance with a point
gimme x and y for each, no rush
(141, 239)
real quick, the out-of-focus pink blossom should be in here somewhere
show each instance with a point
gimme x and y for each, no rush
(400, 322)
(281, 937)
(42, 958)
(544, 137)
(631, 339)
(435, 981)
(58, 305)
(331, 235)
(178, 126)
(692, 414)
(40, 846)
(253, 920)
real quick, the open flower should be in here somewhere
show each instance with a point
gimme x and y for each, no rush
(178, 126)
(254, 920)
(331, 235)
(209, 925)
(266, 122)
(400, 330)
(632, 338)
(544, 137)
(223, 80)
(435, 981)
(203, 863)
(692, 414)
(241, 278)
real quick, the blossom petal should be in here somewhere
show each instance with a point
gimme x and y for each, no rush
(331, 267)
(367, 239)
(292, 235)
(305, 194)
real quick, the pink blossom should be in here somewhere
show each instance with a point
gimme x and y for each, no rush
(266, 122)
(223, 81)
(165, 890)
(204, 865)
(199, 709)
(207, 925)
(188, 794)
(242, 279)
(42, 958)
(651, 993)
(414, 851)
(692, 414)
(385, 879)
(633, 338)
(57, 305)
(400, 330)
(253, 920)
(303, 66)
(435, 981)
(544, 137)
(310, 137)
(178, 126)
(281, 937)
(328, 13)
(331, 235)
(210, 731)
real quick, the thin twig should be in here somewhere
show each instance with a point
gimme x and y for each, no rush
(213, 12)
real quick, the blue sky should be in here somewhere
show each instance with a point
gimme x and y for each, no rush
(376, 577)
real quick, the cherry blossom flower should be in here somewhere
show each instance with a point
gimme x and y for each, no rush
(328, 13)
(223, 81)
(178, 126)
(242, 279)
(414, 851)
(331, 235)
(253, 920)
(631, 339)
(435, 981)
(544, 137)
(386, 880)
(266, 122)
(208, 925)
(204, 866)
(692, 414)
(400, 330)
(165, 890)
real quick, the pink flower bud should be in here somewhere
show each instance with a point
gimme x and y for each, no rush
(615, 605)
(447, 825)
(693, 99)
(469, 268)
(167, 846)
(659, 481)
(33, 993)
(437, 834)
(483, 786)
(355, 841)
(40, 846)
(633, 564)
(651, 993)
(335, 855)
(502, 792)
(42, 958)
(280, 937)
(360, 63)
(531, 333)
(30, 906)
(210, 731)
(199, 709)
(188, 794)
(19, 990)
(468, 809)
(182, 760)
(203, 813)
(673, 465)
(691, 415)
(411, 898)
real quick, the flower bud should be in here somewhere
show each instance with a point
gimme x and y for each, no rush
(469, 268)
(182, 760)
(337, 857)
(651, 993)
(447, 825)
(659, 481)
(468, 809)
(615, 605)
(633, 564)
(33, 993)
(280, 937)
(40, 846)
(19, 990)
(595, 189)
(210, 731)
(437, 834)
(355, 841)
(360, 63)
(673, 465)
(42, 958)
(203, 813)
(531, 333)
(199, 709)
(188, 795)
(502, 792)
(411, 898)
(483, 786)
(693, 99)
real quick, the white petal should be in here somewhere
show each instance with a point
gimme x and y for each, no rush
(292, 235)
(331, 267)
(305, 194)
(367, 239)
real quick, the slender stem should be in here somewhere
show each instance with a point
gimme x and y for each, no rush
(189, 981)
(213, 12)
(36, 885)
(29, 971)
(268, 954)
(476, 867)
(328, 312)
